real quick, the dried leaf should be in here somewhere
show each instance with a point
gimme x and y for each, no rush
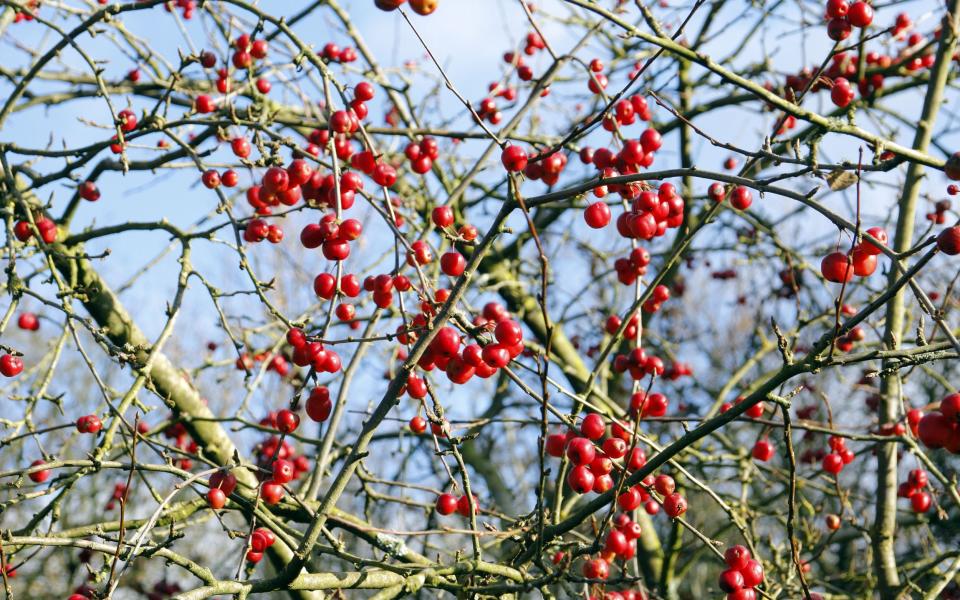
(840, 179)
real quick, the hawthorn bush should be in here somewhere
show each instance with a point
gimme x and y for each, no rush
(377, 299)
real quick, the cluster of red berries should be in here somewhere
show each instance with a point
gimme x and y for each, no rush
(547, 169)
(177, 433)
(89, 424)
(651, 213)
(626, 111)
(442, 217)
(421, 7)
(846, 342)
(633, 265)
(275, 362)
(187, 6)
(422, 154)
(277, 457)
(941, 428)
(222, 484)
(597, 81)
(673, 503)
(939, 214)
(839, 456)
(630, 332)
(332, 236)
(913, 490)
(644, 405)
(245, 52)
(347, 121)
(534, 43)
(261, 539)
(46, 227)
(840, 267)
(741, 197)
(447, 504)
(592, 467)
(323, 360)
(487, 109)
(445, 354)
(754, 412)
(639, 364)
(634, 155)
(162, 590)
(620, 543)
(318, 405)
(31, 6)
(119, 495)
(383, 286)
(743, 573)
(843, 17)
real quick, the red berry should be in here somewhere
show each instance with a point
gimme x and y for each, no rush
(949, 240)
(581, 451)
(860, 14)
(674, 505)
(664, 484)
(287, 421)
(741, 198)
(508, 332)
(920, 502)
(205, 104)
(592, 426)
(39, 476)
(319, 405)
(836, 267)
(283, 471)
(442, 216)
(514, 158)
(837, 9)
(88, 191)
(864, 263)
(935, 430)
(241, 147)
(417, 424)
(453, 263)
(89, 424)
(446, 504)
(224, 480)
(832, 463)
(880, 235)
(730, 581)
(763, 450)
(216, 499)
(737, 557)
(596, 568)
(211, 178)
(752, 574)
(384, 174)
(28, 321)
(271, 492)
(10, 366)
(838, 29)
(597, 215)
